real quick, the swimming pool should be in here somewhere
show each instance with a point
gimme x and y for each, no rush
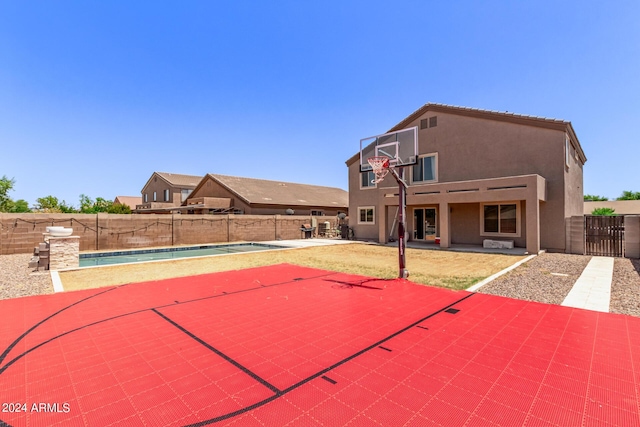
(143, 255)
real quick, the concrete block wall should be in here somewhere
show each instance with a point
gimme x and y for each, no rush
(632, 236)
(574, 235)
(197, 229)
(20, 233)
(132, 231)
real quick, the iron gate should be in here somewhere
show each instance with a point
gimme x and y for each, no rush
(604, 235)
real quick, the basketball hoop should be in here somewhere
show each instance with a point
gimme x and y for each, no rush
(380, 167)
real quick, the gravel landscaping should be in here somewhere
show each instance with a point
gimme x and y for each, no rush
(18, 280)
(547, 278)
(625, 289)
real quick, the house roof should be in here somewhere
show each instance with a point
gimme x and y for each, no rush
(266, 192)
(130, 201)
(180, 180)
(506, 116)
(176, 179)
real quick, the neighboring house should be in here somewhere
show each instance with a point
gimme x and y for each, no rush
(221, 194)
(621, 207)
(481, 175)
(131, 201)
(165, 191)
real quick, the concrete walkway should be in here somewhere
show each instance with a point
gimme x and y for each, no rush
(592, 290)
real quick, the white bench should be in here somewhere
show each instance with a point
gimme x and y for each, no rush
(497, 244)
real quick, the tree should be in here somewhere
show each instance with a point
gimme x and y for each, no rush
(629, 195)
(19, 206)
(6, 185)
(603, 212)
(87, 205)
(592, 198)
(119, 208)
(50, 204)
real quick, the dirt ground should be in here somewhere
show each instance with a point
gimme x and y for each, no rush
(454, 270)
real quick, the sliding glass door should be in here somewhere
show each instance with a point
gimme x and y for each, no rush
(425, 224)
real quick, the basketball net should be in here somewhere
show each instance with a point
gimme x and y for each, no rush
(380, 167)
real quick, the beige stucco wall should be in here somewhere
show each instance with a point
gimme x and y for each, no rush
(622, 207)
(474, 148)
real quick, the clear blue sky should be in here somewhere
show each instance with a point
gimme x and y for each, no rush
(95, 96)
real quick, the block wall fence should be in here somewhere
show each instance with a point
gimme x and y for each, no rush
(575, 236)
(20, 233)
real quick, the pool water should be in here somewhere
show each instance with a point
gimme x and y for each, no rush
(143, 255)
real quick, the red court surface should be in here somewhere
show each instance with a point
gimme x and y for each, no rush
(293, 346)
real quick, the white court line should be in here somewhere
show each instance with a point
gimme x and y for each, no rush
(499, 273)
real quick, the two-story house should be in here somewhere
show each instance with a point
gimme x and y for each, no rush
(164, 191)
(480, 175)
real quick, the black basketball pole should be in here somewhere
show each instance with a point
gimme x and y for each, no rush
(402, 202)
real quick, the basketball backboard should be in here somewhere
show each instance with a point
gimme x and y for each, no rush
(401, 147)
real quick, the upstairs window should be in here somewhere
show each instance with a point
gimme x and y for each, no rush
(166, 195)
(431, 122)
(146, 197)
(155, 199)
(366, 179)
(184, 194)
(425, 170)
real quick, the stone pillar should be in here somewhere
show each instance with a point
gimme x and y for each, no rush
(64, 252)
(632, 236)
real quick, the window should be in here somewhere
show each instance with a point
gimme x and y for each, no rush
(166, 195)
(567, 151)
(185, 193)
(317, 213)
(154, 197)
(431, 122)
(425, 170)
(500, 219)
(366, 215)
(146, 197)
(366, 179)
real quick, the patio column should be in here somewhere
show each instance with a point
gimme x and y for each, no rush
(445, 225)
(382, 222)
(533, 226)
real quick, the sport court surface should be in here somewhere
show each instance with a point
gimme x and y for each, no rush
(288, 345)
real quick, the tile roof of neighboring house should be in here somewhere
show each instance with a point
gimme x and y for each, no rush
(130, 201)
(489, 114)
(180, 180)
(262, 191)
